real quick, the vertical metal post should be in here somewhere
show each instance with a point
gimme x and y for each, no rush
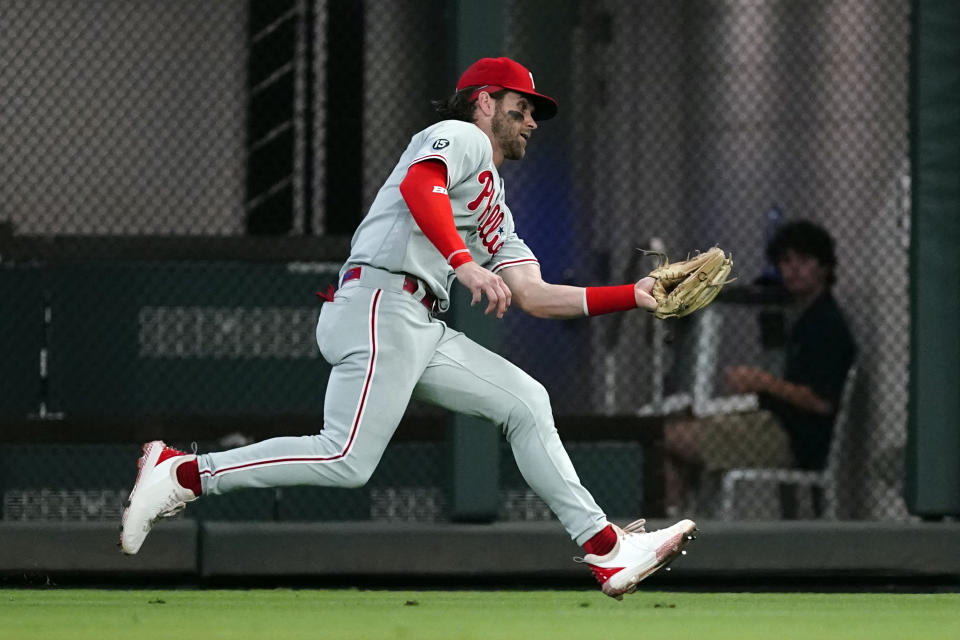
(473, 444)
(933, 454)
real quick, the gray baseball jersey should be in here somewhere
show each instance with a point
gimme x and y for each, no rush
(386, 347)
(390, 239)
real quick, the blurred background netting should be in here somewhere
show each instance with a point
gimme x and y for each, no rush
(177, 179)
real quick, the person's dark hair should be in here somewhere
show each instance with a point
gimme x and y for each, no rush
(807, 238)
(459, 106)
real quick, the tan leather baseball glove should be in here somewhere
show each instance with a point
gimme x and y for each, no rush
(686, 286)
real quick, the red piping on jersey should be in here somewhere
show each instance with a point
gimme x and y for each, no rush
(432, 211)
(357, 418)
(513, 263)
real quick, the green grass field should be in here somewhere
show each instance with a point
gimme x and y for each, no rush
(449, 615)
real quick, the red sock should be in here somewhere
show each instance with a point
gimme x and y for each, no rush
(602, 543)
(188, 475)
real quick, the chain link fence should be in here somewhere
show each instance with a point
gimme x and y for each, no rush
(178, 178)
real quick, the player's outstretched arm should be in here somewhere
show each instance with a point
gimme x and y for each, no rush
(544, 300)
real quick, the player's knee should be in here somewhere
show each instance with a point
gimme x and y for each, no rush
(539, 399)
(531, 407)
(355, 481)
(354, 476)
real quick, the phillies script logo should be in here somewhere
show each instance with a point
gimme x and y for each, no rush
(489, 228)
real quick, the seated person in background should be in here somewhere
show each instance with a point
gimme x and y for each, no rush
(794, 426)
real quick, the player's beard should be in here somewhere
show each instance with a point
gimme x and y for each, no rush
(506, 130)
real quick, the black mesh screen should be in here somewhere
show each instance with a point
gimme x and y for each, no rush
(177, 179)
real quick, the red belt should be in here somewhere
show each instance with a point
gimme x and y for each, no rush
(410, 285)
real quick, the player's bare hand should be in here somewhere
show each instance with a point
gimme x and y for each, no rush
(482, 282)
(642, 290)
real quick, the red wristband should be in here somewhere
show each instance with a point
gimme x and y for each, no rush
(600, 300)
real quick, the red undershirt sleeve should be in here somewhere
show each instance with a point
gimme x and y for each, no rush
(424, 190)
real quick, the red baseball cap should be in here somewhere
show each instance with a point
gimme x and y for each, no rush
(494, 74)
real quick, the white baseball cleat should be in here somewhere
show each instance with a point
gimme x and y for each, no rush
(637, 555)
(156, 493)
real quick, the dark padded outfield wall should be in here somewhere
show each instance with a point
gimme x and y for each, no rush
(933, 455)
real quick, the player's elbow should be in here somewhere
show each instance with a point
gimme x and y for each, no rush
(537, 311)
(531, 299)
(523, 302)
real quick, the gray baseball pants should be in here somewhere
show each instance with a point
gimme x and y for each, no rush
(386, 347)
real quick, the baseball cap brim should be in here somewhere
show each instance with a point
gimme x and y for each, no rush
(544, 107)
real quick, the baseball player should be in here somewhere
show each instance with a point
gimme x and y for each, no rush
(440, 217)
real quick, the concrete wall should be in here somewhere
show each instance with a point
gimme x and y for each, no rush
(517, 553)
